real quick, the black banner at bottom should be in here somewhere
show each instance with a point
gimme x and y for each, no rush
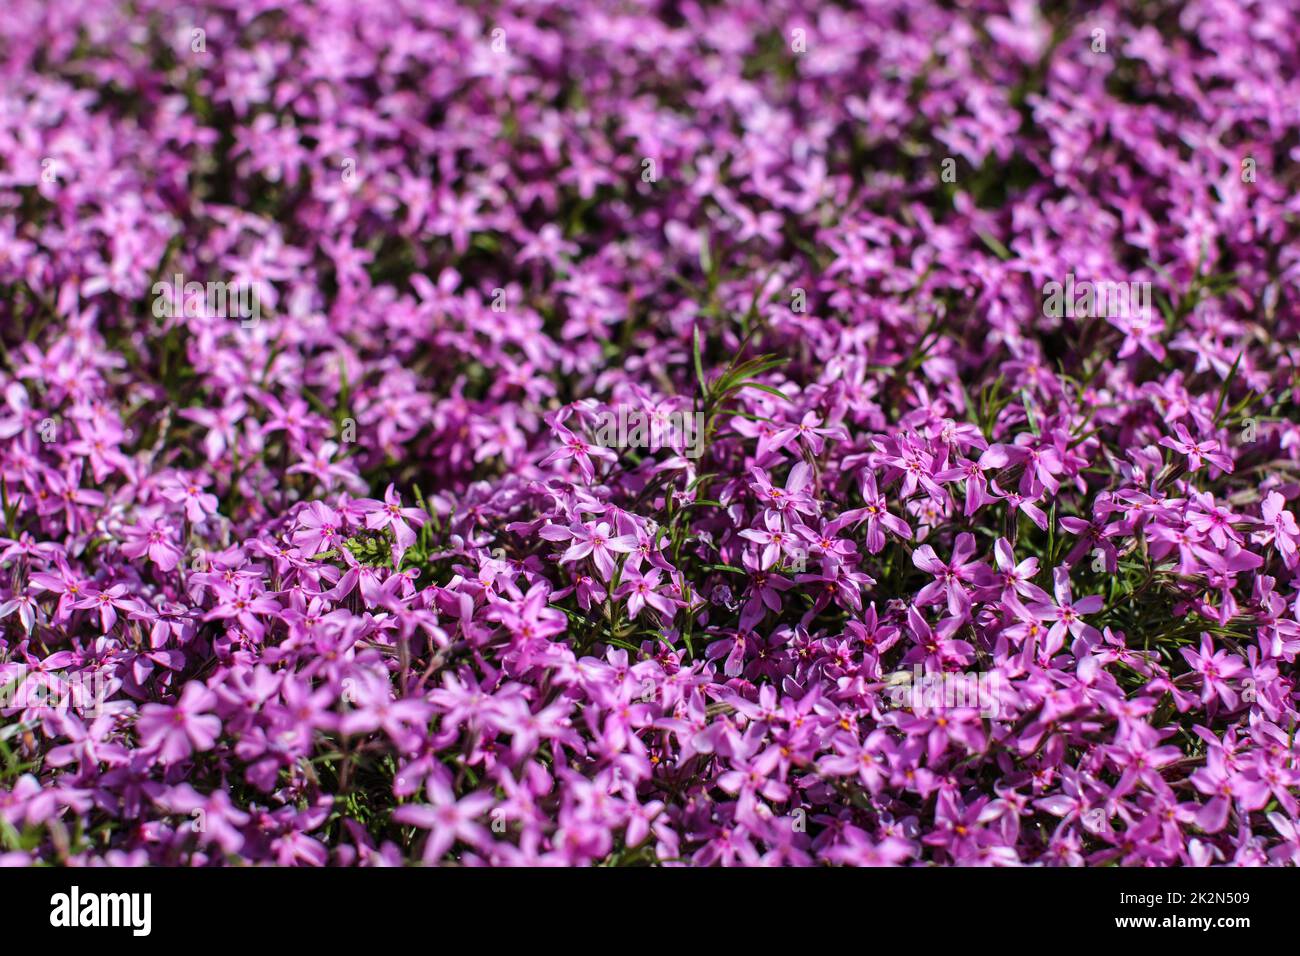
(236, 907)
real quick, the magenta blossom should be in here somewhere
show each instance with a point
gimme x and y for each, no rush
(174, 732)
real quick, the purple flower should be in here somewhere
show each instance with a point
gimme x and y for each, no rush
(389, 513)
(1197, 451)
(951, 579)
(594, 540)
(447, 820)
(1216, 668)
(1067, 614)
(174, 732)
(642, 591)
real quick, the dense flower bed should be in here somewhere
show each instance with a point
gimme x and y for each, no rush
(621, 433)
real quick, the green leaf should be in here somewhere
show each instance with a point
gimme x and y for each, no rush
(699, 365)
(1029, 412)
(764, 388)
(1227, 383)
(996, 247)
